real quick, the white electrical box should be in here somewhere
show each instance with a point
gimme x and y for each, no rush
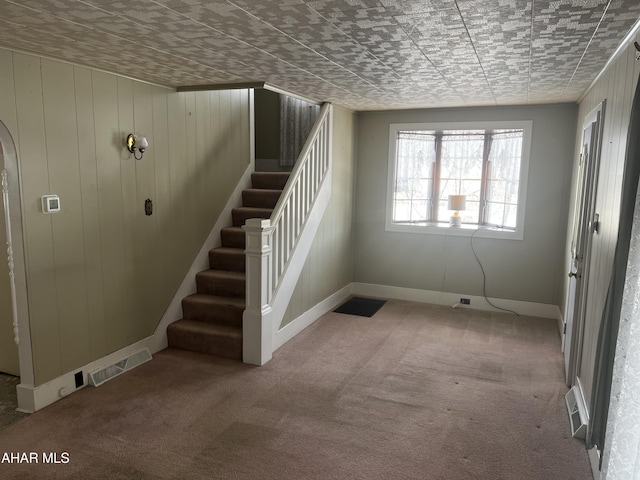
(50, 203)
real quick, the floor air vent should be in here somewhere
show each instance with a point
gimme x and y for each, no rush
(98, 377)
(577, 412)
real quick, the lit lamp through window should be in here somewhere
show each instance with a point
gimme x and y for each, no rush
(457, 203)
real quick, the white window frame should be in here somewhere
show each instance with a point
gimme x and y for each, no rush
(465, 229)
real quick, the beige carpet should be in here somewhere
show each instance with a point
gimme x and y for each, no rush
(415, 392)
(9, 401)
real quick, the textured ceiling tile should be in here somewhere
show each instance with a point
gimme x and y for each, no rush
(69, 10)
(561, 34)
(143, 12)
(187, 28)
(10, 40)
(308, 41)
(363, 54)
(43, 28)
(501, 35)
(411, 7)
(619, 14)
(445, 43)
(173, 3)
(9, 11)
(341, 5)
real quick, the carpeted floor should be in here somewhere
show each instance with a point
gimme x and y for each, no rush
(415, 392)
(9, 401)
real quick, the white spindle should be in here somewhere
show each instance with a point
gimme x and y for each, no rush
(270, 243)
(12, 279)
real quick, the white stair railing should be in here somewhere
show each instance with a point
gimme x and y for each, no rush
(277, 247)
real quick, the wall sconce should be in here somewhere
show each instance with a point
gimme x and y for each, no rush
(137, 143)
(457, 203)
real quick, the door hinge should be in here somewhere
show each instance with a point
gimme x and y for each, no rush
(564, 331)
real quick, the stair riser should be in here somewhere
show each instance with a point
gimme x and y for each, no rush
(233, 238)
(226, 261)
(211, 324)
(220, 287)
(212, 344)
(260, 198)
(229, 315)
(272, 181)
(241, 215)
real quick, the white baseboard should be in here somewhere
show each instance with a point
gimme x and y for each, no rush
(445, 298)
(31, 399)
(594, 460)
(305, 320)
(285, 334)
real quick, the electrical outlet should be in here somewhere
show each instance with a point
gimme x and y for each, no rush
(79, 379)
(465, 301)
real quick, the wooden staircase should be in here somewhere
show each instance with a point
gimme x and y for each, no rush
(212, 317)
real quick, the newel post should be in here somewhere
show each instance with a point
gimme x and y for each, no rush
(257, 331)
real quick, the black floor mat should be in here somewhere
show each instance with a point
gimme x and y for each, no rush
(363, 307)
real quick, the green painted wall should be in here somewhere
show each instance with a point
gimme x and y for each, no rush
(527, 270)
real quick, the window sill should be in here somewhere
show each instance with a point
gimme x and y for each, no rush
(461, 231)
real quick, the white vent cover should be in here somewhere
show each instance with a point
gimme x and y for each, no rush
(577, 412)
(101, 375)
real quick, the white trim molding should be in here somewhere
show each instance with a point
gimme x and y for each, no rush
(532, 309)
(434, 228)
(309, 317)
(31, 399)
(11, 265)
(277, 248)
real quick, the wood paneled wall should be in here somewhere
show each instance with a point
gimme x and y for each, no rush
(101, 273)
(329, 266)
(617, 87)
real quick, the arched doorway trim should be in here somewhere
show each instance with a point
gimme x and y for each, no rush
(18, 267)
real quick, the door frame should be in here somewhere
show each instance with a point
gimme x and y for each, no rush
(18, 267)
(585, 225)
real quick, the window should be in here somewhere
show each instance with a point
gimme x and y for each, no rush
(486, 162)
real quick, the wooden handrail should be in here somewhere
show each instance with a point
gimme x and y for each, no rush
(299, 165)
(272, 244)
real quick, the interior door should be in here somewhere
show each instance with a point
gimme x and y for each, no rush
(585, 224)
(8, 349)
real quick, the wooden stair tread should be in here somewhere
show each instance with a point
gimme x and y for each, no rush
(229, 250)
(205, 337)
(271, 191)
(221, 283)
(227, 258)
(269, 180)
(226, 274)
(233, 237)
(241, 214)
(212, 322)
(221, 310)
(216, 300)
(260, 197)
(206, 328)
